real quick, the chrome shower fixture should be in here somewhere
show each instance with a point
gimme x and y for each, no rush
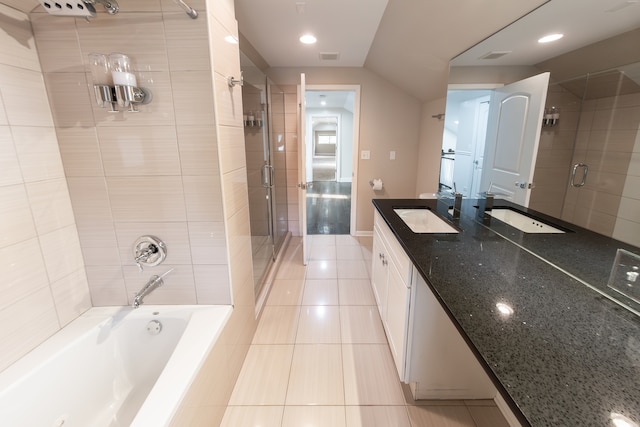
(80, 8)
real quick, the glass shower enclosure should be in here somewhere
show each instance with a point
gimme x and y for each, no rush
(263, 104)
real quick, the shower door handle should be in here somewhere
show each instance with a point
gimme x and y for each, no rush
(267, 176)
(585, 170)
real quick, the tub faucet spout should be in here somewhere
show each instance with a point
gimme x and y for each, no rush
(154, 282)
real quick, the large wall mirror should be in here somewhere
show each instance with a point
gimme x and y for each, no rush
(586, 164)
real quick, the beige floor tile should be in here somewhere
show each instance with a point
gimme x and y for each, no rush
(316, 416)
(322, 240)
(348, 252)
(377, 416)
(440, 416)
(286, 292)
(361, 324)
(346, 240)
(278, 325)
(321, 252)
(367, 254)
(291, 270)
(252, 416)
(320, 292)
(264, 376)
(325, 269)
(352, 269)
(316, 375)
(319, 324)
(370, 376)
(479, 402)
(355, 292)
(487, 416)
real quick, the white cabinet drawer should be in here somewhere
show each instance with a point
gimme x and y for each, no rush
(396, 253)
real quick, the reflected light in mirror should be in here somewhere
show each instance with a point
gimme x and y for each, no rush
(620, 420)
(550, 38)
(504, 309)
(231, 39)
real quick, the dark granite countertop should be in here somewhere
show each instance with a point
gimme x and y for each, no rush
(567, 355)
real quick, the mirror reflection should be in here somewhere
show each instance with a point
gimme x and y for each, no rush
(585, 168)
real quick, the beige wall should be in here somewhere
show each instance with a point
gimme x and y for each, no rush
(43, 283)
(389, 120)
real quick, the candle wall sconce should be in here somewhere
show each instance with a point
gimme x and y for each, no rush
(114, 83)
(551, 117)
(251, 120)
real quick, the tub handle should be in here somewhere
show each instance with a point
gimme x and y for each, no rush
(149, 251)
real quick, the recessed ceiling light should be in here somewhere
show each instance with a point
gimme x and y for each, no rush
(550, 38)
(308, 39)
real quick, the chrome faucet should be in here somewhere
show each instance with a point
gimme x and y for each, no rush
(154, 282)
(485, 203)
(110, 5)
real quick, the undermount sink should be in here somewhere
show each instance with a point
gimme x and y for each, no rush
(422, 220)
(522, 222)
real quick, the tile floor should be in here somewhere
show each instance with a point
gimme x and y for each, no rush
(320, 356)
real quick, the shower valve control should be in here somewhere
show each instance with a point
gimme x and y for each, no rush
(149, 251)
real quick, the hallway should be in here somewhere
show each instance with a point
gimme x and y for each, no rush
(329, 208)
(320, 356)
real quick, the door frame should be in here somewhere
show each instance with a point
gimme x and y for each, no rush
(354, 147)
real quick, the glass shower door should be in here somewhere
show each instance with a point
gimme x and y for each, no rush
(266, 171)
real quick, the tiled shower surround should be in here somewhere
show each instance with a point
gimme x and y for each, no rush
(80, 184)
(602, 133)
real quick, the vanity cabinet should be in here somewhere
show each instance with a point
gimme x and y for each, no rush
(428, 351)
(391, 280)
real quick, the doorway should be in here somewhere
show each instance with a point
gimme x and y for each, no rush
(330, 115)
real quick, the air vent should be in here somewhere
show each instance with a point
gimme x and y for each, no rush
(495, 54)
(329, 56)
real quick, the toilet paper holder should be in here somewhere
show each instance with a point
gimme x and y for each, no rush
(376, 184)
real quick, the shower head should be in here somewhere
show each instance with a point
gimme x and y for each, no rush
(81, 8)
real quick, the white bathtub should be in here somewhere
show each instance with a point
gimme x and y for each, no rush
(106, 369)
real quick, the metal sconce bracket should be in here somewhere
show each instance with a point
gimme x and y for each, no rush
(124, 96)
(232, 81)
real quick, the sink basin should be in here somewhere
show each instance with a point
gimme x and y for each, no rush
(522, 222)
(424, 221)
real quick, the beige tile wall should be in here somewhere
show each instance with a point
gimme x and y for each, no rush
(153, 172)
(43, 284)
(159, 171)
(291, 149)
(606, 142)
(555, 153)
(206, 402)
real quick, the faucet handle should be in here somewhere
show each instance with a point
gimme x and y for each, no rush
(149, 251)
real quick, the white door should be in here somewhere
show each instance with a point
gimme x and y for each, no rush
(513, 133)
(302, 172)
(480, 138)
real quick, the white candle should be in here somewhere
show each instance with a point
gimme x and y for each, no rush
(123, 78)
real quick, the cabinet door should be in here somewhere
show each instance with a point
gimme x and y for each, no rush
(379, 273)
(397, 320)
(440, 362)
